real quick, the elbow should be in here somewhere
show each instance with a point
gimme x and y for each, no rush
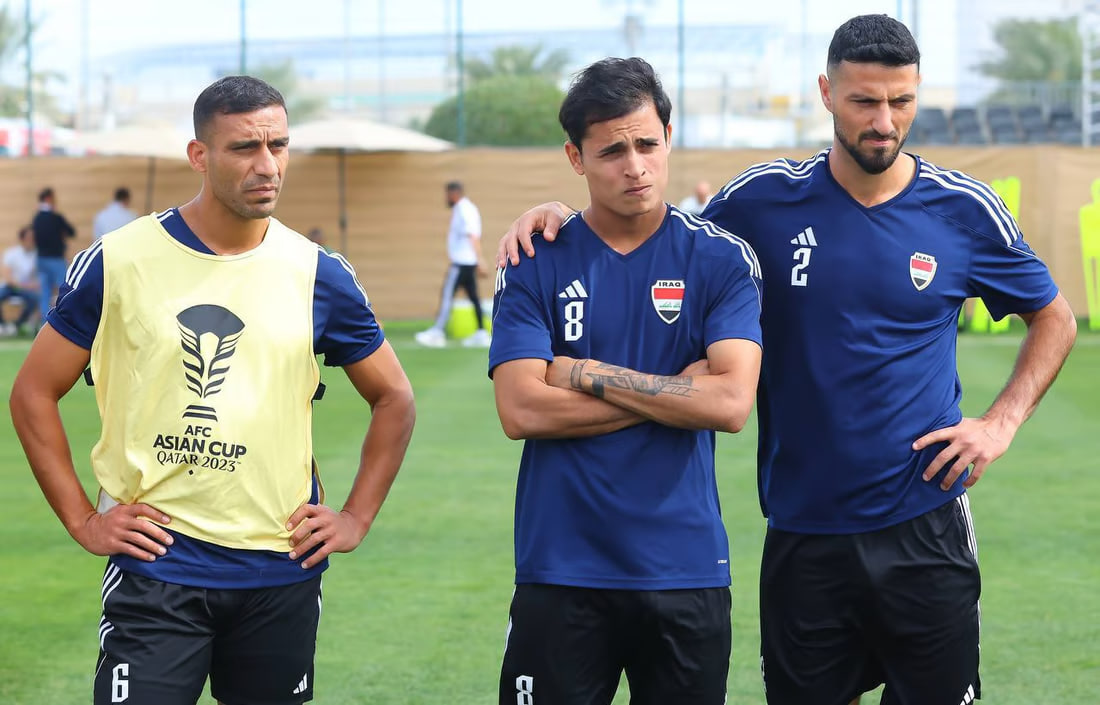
(16, 402)
(736, 418)
(515, 430)
(518, 424)
(399, 402)
(512, 431)
(733, 425)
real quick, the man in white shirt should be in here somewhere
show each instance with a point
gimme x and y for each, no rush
(115, 215)
(698, 200)
(19, 280)
(464, 251)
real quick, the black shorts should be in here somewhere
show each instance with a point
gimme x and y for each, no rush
(159, 641)
(569, 646)
(841, 614)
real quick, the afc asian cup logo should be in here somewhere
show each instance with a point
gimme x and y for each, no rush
(205, 369)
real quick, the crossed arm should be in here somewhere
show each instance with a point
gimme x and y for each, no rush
(571, 398)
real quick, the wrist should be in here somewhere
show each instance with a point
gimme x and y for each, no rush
(1002, 424)
(576, 375)
(77, 525)
(359, 519)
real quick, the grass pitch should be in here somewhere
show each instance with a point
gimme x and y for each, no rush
(417, 614)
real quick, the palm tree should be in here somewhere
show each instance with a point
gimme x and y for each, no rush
(518, 60)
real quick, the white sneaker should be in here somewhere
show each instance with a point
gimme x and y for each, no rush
(479, 339)
(8, 329)
(431, 338)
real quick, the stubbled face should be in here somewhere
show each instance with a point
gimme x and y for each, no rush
(873, 107)
(625, 161)
(243, 158)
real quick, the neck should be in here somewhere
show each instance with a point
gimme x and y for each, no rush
(870, 189)
(623, 233)
(219, 228)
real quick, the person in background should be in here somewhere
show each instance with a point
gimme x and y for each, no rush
(464, 251)
(116, 214)
(698, 200)
(51, 231)
(317, 237)
(18, 280)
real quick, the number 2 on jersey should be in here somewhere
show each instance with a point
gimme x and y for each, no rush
(801, 261)
(574, 328)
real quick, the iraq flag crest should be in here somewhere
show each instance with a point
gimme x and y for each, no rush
(668, 297)
(922, 268)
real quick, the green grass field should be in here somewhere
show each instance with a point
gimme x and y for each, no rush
(417, 614)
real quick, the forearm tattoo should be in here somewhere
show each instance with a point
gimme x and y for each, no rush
(604, 375)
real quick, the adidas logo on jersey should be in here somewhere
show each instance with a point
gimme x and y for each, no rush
(303, 685)
(805, 238)
(574, 291)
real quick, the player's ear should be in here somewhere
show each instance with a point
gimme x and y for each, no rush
(668, 137)
(196, 154)
(574, 155)
(826, 91)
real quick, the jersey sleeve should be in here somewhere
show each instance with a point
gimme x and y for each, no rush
(79, 304)
(728, 212)
(521, 321)
(1006, 273)
(734, 306)
(344, 327)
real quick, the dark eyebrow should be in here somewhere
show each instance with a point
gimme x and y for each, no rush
(244, 144)
(612, 148)
(252, 144)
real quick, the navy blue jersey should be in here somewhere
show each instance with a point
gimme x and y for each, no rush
(860, 317)
(344, 330)
(636, 508)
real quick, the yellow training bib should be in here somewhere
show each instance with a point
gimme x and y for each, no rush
(204, 374)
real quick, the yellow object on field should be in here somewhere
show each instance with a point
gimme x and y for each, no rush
(1090, 254)
(463, 321)
(980, 320)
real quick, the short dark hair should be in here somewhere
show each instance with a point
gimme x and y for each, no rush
(873, 39)
(609, 89)
(44, 194)
(454, 186)
(233, 95)
(25, 231)
(122, 194)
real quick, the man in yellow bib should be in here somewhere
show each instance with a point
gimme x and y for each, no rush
(201, 326)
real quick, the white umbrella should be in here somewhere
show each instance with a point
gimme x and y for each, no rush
(343, 135)
(152, 141)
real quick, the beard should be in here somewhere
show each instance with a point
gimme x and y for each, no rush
(879, 159)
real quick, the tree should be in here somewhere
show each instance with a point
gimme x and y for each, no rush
(13, 98)
(1033, 50)
(505, 111)
(518, 60)
(284, 78)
